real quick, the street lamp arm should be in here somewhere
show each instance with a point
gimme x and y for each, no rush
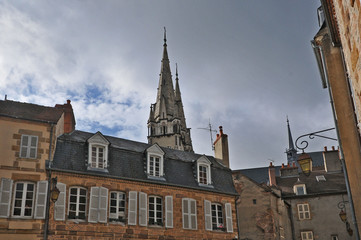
(304, 144)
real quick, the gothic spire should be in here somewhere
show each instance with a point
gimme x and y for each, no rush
(165, 95)
(291, 151)
(178, 99)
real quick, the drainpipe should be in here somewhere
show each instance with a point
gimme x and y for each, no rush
(46, 224)
(289, 209)
(342, 159)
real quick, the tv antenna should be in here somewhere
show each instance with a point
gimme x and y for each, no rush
(210, 129)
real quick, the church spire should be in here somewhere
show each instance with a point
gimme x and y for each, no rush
(291, 151)
(166, 123)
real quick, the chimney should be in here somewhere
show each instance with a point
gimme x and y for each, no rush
(272, 175)
(69, 119)
(331, 160)
(288, 171)
(221, 148)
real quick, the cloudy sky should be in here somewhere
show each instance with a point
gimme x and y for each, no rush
(244, 65)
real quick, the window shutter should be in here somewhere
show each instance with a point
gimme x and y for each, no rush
(169, 211)
(132, 208)
(229, 217)
(142, 209)
(193, 214)
(103, 204)
(93, 205)
(208, 215)
(185, 213)
(5, 197)
(33, 146)
(40, 204)
(24, 146)
(59, 206)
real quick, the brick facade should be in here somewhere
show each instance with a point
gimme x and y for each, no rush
(82, 229)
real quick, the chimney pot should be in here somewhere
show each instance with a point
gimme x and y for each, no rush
(283, 165)
(68, 101)
(293, 164)
(221, 130)
(325, 149)
(333, 148)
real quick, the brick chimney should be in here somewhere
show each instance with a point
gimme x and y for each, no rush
(288, 171)
(272, 175)
(331, 160)
(221, 147)
(69, 119)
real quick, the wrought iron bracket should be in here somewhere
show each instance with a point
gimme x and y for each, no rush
(304, 144)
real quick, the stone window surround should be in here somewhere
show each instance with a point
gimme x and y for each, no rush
(305, 209)
(204, 162)
(296, 186)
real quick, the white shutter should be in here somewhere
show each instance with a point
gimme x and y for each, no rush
(93, 205)
(40, 204)
(132, 208)
(5, 197)
(229, 217)
(208, 215)
(103, 204)
(169, 211)
(193, 213)
(185, 213)
(143, 209)
(59, 206)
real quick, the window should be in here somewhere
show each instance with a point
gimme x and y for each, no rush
(117, 207)
(203, 171)
(189, 210)
(320, 178)
(155, 211)
(23, 199)
(155, 162)
(154, 166)
(334, 237)
(28, 146)
(98, 152)
(307, 235)
(203, 174)
(217, 217)
(299, 189)
(303, 211)
(77, 203)
(97, 156)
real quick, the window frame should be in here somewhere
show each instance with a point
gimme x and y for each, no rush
(121, 219)
(155, 222)
(204, 162)
(221, 228)
(23, 200)
(307, 235)
(295, 187)
(98, 146)
(28, 146)
(77, 203)
(303, 212)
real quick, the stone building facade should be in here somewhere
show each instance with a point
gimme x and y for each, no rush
(263, 214)
(28, 134)
(337, 50)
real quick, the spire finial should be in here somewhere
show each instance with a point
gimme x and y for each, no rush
(165, 36)
(176, 70)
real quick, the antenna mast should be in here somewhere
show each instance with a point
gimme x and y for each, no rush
(210, 129)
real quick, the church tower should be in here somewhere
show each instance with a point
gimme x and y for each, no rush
(290, 151)
(167, 124)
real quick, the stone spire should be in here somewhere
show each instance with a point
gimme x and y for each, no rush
(166, 124)
(290, 151)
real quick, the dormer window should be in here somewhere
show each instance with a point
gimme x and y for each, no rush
(203, 171)
(98, 152)
(300, 189)
(155, 162)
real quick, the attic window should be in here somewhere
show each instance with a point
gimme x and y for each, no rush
(155, 162)
(299, 189)
(98, 152)
(203, 171)
(320, 178)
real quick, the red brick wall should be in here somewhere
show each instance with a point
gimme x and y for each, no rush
(83, 230)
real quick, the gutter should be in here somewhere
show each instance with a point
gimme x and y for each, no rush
(342, 158)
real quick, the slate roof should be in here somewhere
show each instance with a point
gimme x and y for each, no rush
(335, 183)
(260, 175)
(29, 111)
(127, 160)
